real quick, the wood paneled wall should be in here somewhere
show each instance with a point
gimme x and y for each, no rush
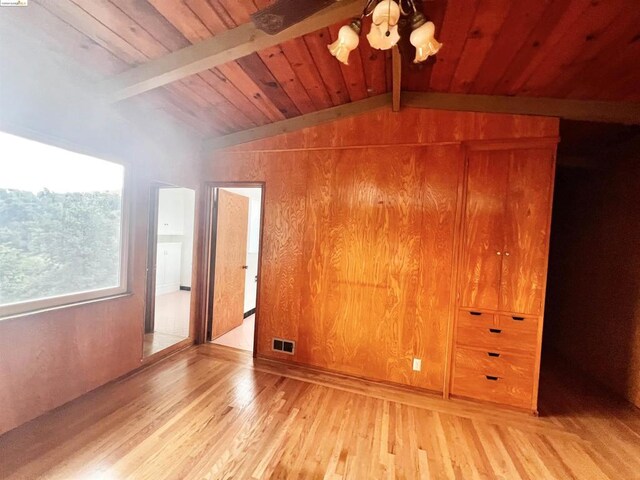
(359, 246)
(593, 300)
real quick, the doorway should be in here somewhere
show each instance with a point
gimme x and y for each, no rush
(169, 267)
(234, 266)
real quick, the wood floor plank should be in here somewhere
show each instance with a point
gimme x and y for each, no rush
(212, 413)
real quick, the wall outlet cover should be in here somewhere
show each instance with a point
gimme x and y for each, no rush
(417, 364)
(285, 346)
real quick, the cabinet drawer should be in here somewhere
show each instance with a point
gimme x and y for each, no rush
(472, 383)
(495, 363)
(520, 324)
(497, 338)
(503, 334)
(476, 318)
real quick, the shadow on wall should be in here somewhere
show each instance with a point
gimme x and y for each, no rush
(593, 298)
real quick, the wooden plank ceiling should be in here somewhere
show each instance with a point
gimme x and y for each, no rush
(576, 49)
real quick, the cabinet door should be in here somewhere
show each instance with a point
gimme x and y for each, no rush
(172, 264)
(526, 230)
(484, 229)
(164, 211)
(170, 211)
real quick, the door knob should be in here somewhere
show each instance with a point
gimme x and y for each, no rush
(245, 267)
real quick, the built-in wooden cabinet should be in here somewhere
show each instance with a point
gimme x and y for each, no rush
(375, 239)
(503, 267)
(506, 229)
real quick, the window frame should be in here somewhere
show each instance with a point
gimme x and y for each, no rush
(27, 307)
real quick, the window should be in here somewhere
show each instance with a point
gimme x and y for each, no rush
(62, 235)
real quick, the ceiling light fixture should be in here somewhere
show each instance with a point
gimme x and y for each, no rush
(348, 40)
(384, 34)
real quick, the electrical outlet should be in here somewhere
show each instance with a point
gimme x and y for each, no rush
(417, 364)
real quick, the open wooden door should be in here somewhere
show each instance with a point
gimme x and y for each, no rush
(230, 262)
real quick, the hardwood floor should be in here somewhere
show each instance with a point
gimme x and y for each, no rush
(240, 337)
(158, 341)
(210, 412)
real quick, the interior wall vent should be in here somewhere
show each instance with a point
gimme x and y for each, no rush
(285, 346)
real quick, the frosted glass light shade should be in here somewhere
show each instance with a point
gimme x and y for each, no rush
(387, 11)
(378, 36)
(347, 41)
(384, 27)
(423, 38)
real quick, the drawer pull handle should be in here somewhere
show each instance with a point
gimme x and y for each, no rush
(493, 354)
(492, 378)
(495, 330)
(475, 313)
(520, 319)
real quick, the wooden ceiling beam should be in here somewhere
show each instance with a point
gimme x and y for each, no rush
(223, 48)
(613, 112)
(297, 123)
(586, 110)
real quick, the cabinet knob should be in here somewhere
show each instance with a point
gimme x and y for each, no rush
(245, 267)
(506, 254)
(498, 253)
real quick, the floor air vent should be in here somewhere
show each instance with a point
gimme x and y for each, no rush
(285, 346)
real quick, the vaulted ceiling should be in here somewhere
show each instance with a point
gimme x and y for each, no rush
(569, 49)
